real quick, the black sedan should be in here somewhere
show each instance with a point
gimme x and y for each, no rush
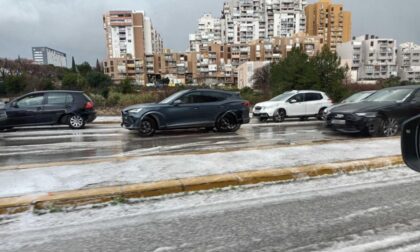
(196, 108)
(381, 114)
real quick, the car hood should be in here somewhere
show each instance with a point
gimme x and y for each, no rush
(144, 105)
(268, 103)
(360, 107)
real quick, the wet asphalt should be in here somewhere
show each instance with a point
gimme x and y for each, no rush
(33, 145)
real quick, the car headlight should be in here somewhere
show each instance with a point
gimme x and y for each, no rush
(135, 110)
(367, 114)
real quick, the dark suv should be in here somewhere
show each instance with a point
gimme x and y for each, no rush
(73, 108)
(197, 108)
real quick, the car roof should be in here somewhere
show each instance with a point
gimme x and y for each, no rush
(57, 91)
(212, 90)
(404, 87)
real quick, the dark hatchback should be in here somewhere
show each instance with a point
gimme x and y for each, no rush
(196, 108)
(380, 114)
(73, 108)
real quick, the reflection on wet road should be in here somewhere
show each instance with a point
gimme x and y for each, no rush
(54, 144)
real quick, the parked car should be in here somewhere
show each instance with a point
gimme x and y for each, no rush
(357, 97)
(380, 114)
(48, 108)
(301, 104)
(194, 108)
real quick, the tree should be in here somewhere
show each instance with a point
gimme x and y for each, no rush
(329, 73)
(261, 78)
(126, 86)
(73, 81)
(73, 65)
(84, 68)
(293, 73)
(98, 80)
(98, 67)
(14, 84)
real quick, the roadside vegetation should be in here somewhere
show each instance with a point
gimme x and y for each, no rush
(297, 71)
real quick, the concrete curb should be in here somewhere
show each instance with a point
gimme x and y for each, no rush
(101, 195)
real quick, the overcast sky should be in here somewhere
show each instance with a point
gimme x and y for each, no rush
(75, 26)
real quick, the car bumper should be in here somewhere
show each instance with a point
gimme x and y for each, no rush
(352, 124)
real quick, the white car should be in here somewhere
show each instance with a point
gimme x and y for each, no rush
(300, 104)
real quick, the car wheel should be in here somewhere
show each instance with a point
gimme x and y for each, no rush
(387, 127)
(321, 115)
(279, 115)
(228, 123)
(147, 127)
(76, 122)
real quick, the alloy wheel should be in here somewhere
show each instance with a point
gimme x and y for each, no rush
(390, 127)
(76, 122)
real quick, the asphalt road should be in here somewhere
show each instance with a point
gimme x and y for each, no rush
(377, 211)
(52, 144)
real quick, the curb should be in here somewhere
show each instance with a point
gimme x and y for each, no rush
(78, 198)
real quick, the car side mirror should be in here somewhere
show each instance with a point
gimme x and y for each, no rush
(177, 102)
(410, 143)
(293, 101)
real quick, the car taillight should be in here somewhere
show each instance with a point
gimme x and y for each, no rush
(89, 105)
(246, 104)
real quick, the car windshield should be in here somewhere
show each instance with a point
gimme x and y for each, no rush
(282, 97)
(390, 95)
(357, 97)
(173, 97)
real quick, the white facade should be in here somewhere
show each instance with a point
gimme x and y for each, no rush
(48, 56)
(369, 58)
(408, 61)
(246, 72)
(245, 20)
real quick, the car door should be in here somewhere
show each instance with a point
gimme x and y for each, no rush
(56, 105)
(26, 111)
(185, 114)
(313, 103)
(296, 105)
(211, 106)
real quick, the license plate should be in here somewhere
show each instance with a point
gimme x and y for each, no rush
(338, 122)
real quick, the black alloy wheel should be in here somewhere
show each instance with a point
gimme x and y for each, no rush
(228, 123)
(147, 127)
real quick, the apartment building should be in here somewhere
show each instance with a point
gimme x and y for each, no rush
(246, 73)
(243, 21)
(370, 58)
(48, 56)
(130, 36)
(330, 21)
(408, 62)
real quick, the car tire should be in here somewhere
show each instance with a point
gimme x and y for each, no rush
(321, 116)
(147, 127)
(279, 115)
(387, 127)
(227, 123)
(76, 121)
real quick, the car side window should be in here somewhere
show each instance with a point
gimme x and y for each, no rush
(313, 97)
(190, 98)
(59, 99)
(298, 98)
(416, 97)
(202, 97)
(31, 101)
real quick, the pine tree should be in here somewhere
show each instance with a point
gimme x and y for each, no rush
(73, 65)
(98, 66)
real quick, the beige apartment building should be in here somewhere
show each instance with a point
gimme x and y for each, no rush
(330, 21)
(130, 36)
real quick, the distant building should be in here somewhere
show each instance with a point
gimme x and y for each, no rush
(48, 56)
(369, 58)
(246, 72)
(330, 21)
(408, 61)
(130, 40)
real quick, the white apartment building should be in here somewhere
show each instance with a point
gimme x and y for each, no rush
(408, 61)
(48, 56)
(246, 73)
(369, 58)
(245, 20)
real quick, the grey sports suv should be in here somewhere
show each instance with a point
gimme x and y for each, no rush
(196, 108)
